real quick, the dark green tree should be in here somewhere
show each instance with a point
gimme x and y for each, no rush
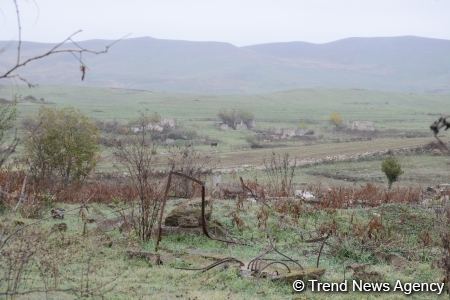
(392, 169)
(62, 144)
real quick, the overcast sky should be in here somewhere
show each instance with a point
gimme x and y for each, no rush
(241, 22)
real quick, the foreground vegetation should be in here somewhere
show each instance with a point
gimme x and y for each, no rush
(68, 264)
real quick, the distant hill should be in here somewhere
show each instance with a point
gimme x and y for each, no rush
(387, 63)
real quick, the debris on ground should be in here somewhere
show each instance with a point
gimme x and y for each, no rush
(57, 213)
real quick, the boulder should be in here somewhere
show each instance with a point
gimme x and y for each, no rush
(307, 195)
(188, 214)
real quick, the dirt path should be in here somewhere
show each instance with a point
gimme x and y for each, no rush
(311, 152)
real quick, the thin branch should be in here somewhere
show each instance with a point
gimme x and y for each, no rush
(19, 31)
(56, 49)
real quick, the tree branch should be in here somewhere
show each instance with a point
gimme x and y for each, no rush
(56, 49)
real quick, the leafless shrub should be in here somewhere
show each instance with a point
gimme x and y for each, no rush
(139, 160)
(32, 264)
(190, 162)
(28, 252)
(280, 171)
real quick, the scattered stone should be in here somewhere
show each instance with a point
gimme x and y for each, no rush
(361, 126)
(306, 195)
(57, 213)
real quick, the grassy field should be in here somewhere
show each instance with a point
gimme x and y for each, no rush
(388, 110)
(308, 107)
(403, 112)
(96, 265)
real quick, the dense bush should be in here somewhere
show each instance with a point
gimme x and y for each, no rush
(61, 145)
(392, 169)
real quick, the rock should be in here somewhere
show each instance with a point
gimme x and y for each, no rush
(304, 195)
(188, 214)
(361, 126)
(305, 274)
(57, 213)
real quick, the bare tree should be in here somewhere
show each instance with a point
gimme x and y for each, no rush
(280, 171)
(137, 155)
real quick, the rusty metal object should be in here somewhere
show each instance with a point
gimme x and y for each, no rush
(257, 265)
(204, 221)
(273, 263)
(213, 265)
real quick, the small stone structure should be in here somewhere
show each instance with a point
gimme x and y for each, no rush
(157, 127)
(361, 126)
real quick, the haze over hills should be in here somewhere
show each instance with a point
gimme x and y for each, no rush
(390, 63)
